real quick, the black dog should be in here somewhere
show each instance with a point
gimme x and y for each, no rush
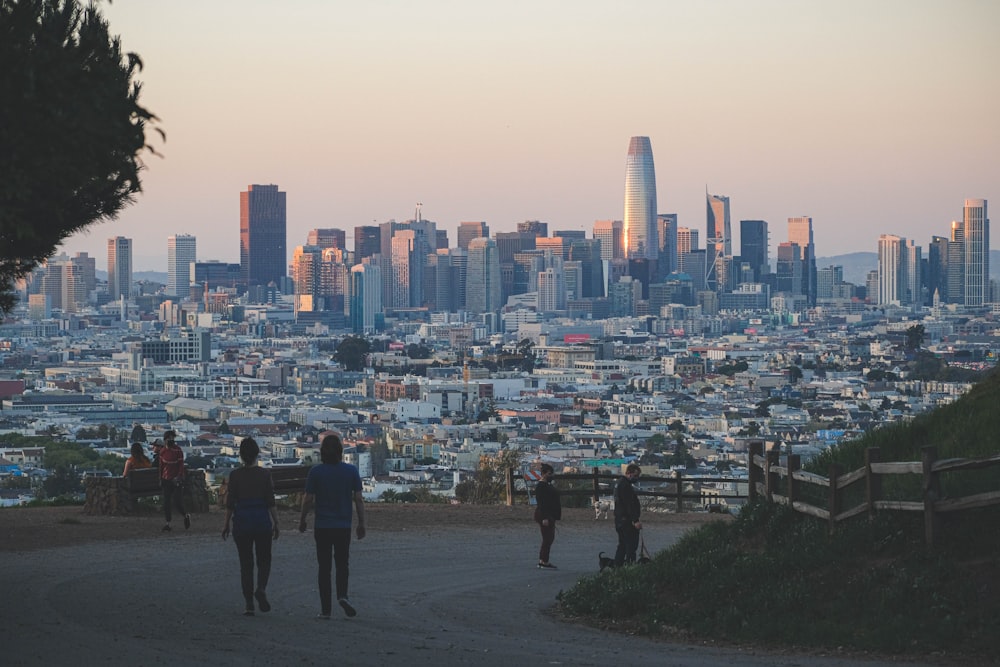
(604, 562)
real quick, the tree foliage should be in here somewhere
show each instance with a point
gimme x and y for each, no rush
(488, 486)
(71, 129)
(351, 352)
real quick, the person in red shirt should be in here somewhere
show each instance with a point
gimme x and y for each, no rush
(172, 478)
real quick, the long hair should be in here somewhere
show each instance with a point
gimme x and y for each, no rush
(331, 450)
(138, 453)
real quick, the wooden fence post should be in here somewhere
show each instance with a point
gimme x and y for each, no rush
(794, 463)
(834, 498)
(756, 474)
(932, 493)
(679, 476)
(771, 476)
(597, 486)
(509, 483)
(873, 486)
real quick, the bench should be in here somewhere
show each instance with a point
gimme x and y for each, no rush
(143, 482)
(289, 479)
(117, 495)
(286, 480)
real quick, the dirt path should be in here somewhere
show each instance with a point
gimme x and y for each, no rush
(433, 586)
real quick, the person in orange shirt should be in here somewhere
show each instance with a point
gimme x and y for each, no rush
(137, 461)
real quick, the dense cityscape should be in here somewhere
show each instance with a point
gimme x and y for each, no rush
(639, 342)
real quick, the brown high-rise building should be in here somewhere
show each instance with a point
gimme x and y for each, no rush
(263, 253)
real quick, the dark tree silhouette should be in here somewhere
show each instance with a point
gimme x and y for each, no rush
(71, 129)
(351, 352)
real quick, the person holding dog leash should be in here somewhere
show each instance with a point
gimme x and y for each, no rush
(548, 510)
(627, 511)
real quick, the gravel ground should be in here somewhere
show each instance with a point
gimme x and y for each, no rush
(434, 585)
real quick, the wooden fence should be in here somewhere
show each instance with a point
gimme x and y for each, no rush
(768, 479)
(602, 484)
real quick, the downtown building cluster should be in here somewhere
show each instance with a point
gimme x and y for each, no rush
(645, 265)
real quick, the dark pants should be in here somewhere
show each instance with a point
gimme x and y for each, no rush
(246, 544)
(173, 493)
(333, 545)
(628, 544)
(548, 537)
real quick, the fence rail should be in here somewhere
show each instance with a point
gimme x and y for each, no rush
(603, 484)
(783, 484)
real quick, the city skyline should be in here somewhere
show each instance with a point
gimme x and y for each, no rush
(855, 115)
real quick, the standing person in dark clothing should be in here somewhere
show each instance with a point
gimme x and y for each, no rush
(250, 505)
(548, 510)
(171, 461)
(627, 511)
(333, 486)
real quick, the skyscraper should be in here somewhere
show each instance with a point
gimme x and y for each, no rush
(534, 227)
(366, 298)
(937, 268)
(329, 237)
(471, 230)
(754, 246)
(639, 223)
(482, 282)
(718, 238)
(181, 252)
(891, 270)
(789, 269)
(800, 231)
(976, 260)
(367, 241)
(718, 228)
(263, 253)
(610, 234)
(666, 228)
(120, 268)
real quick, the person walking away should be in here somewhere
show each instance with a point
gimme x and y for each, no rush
(627, 512)
(332, 487)
(548, 510)
(137, 461)
(250, 506)
(172, 478)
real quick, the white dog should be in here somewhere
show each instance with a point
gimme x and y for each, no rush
(601, 509)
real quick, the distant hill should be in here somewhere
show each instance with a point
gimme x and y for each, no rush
(858, 264)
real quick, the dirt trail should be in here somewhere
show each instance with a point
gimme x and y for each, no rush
(433, 586)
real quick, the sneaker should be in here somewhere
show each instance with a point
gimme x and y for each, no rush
(547, 566)
(323, 617)
(187, 521)
(262, 601)
(166, 528)
(347, 607)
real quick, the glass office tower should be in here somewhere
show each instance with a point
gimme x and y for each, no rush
(641, 235)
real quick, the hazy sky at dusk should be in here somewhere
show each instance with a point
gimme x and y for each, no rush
(871, 117)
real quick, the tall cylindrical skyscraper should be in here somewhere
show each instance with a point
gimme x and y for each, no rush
(641, 236)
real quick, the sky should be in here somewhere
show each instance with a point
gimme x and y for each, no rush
(870, 117)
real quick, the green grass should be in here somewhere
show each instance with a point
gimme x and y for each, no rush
(777, 578)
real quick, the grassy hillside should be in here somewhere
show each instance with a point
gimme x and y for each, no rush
(777, 578)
